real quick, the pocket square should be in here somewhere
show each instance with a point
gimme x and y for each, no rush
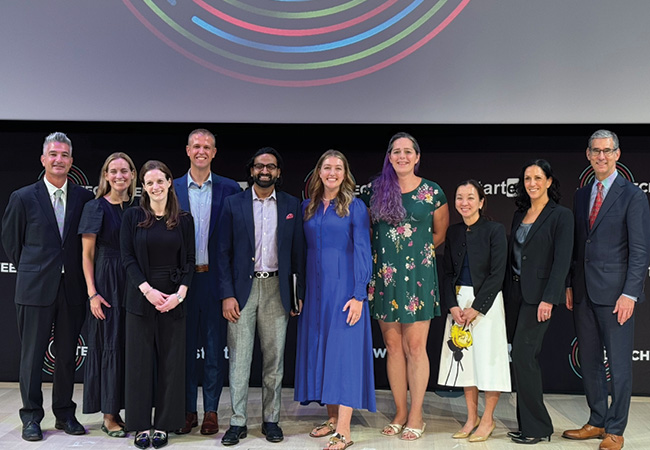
(289, 216)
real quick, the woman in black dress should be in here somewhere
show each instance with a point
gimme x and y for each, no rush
(105, 278)
(157, 243)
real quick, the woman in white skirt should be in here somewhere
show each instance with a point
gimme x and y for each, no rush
(475, 348)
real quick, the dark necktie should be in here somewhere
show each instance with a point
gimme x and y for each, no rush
(597, 204)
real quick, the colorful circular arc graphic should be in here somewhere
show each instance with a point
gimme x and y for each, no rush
(587, 175)
(295, 43)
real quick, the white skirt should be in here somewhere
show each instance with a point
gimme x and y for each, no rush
(476, 355)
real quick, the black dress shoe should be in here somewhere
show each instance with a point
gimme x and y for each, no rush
(515, 434)
(70, 425)
(32, 432)
(272, 432)
(142, 440)
(234, 434)
(159, 439)
(530, 440)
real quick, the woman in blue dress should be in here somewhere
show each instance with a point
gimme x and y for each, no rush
(334, 362)
(105, 278)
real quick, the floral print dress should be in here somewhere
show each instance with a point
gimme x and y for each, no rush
(404, 284)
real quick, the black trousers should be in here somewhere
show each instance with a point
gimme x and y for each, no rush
(35, 327)
(155, 371)
(532, 416)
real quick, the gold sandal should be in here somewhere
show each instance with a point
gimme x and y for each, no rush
(327, 424)
(339, 439)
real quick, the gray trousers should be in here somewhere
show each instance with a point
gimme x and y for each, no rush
(264, 308)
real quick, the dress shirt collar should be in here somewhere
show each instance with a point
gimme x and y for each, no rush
(191, 182)
(255, 197)
(51, 189)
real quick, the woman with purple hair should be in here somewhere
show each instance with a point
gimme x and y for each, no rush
(410, 217)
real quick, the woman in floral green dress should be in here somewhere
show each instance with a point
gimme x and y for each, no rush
(410, 217)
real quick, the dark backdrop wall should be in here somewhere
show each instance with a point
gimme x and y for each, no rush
(492, 154)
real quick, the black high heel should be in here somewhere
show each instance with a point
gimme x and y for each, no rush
(514, 434)
(521, 439)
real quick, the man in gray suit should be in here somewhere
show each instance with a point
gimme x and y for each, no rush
(39, 235)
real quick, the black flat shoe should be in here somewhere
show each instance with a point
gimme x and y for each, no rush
(234, 434)
(115, 433)
(159, 439)
(70, 425)
(142, 440)
(530, 440)
(272, 432)
(32, 432)
(514, 434)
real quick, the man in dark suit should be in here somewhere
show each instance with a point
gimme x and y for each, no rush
(610, 262)
(260, 248)
(39, 235)
(202, 193)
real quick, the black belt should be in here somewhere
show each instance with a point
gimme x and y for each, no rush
(265, 274)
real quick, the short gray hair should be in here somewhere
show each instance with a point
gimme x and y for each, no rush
(604, 134)
(59, 137)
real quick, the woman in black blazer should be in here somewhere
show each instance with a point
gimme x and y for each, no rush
(157, 245)
(475, 349)
(539, 255)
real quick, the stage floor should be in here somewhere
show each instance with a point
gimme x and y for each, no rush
(443, 415)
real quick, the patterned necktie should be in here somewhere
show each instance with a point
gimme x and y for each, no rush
(58, 209)
(597, 204)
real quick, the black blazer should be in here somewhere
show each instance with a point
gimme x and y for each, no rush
(133, 246)
(545, 255)
(486, 246)
(31, 239)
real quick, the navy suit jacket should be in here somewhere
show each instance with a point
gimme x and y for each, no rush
(236, 247)
(221, 188)
(612, 258)
(31, 239)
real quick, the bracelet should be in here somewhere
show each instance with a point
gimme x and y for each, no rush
(180, 298)
(93, 296)
(145, 293)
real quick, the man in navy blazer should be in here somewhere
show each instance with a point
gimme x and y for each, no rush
(202, 193)
(39, 235)
(610, 263)
(260, 249)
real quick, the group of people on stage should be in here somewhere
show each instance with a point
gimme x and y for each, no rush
(196, 259)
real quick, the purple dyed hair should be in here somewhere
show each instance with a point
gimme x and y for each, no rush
(386, 200)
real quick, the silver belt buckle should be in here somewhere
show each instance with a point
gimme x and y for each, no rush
(261, 274)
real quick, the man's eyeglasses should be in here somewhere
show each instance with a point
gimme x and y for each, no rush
(269, 167)
(605, 151)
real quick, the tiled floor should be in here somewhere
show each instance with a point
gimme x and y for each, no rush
(443, 415)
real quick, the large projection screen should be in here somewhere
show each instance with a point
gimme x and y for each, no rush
(325, 61)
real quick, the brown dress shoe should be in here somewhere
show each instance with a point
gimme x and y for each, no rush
(210, 423)
(611, 442)
(586, 432)
(191, 421)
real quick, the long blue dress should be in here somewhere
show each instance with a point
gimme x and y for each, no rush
(334, 361)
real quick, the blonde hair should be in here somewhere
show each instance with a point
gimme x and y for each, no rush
(104, 187)
(316, 189)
